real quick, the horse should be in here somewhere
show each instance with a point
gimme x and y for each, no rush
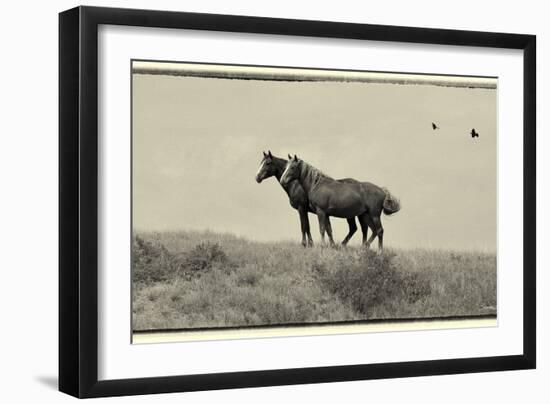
(329, 197)
(272, 166)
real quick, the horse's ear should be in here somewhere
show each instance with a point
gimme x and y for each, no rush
(289, 157)
(295, 158)
(269, 153)
(265, 155)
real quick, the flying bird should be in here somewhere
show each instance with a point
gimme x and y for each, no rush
(474, 133)
(434, 126)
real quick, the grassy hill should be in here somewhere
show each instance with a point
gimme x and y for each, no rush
(206, 279)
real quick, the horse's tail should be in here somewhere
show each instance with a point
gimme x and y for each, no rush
(391, 204)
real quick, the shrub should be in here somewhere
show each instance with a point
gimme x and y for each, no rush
(369, 280)
(151, 261)
(204, 257)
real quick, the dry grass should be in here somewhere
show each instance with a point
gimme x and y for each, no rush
(205, 279)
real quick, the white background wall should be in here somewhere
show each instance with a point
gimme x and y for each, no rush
(28, 207)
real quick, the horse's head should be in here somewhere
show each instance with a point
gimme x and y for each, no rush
(292, 170)
(267, 167)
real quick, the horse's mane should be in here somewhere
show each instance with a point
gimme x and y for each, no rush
(314, 174)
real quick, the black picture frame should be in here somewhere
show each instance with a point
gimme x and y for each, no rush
(78, 201)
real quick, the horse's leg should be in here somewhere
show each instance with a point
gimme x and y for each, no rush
(304, 222)
(308, 231)
(364, 226)
(329, 231)
(352, 230)
(370, 222)
(322, 223)
(379, 232)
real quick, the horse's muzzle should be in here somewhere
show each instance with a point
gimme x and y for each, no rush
(258, 180)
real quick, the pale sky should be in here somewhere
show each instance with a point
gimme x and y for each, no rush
(198, 142)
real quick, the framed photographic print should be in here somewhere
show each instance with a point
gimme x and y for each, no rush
(250, 201)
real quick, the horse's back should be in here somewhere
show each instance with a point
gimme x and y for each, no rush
(373, 189)
(365, 186)
(348, 181)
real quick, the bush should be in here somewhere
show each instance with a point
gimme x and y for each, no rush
(369, 280)
(205, 256)
(151, 261)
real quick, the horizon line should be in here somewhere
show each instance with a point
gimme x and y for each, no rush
(136, 231)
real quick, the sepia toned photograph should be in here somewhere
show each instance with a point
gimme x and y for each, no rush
(276, 199)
